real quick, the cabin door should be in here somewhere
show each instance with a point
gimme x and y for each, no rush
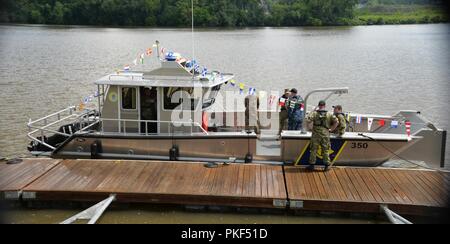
(128, 113)
(149, 110)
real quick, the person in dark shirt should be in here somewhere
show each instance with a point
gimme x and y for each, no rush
(283, 116)
(294, 107)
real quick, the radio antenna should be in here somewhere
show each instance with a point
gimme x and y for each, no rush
(193, 40)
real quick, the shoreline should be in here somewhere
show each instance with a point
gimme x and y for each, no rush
(212, 28)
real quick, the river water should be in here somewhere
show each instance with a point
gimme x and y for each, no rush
(388, 68)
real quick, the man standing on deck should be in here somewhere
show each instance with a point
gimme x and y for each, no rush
(252, 114)
(323, 123)
(295, 110)
(283, 110)
(340, 130)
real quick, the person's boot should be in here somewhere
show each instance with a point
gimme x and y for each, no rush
(326, 168)
(310, 167)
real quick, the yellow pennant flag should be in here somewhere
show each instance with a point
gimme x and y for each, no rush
(81, 107)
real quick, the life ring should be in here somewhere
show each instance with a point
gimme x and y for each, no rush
(113, 97)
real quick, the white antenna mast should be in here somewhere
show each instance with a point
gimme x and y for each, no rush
(193, 40)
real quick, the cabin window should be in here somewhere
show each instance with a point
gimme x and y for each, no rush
(129, 98)
(178, 99)
(208, 102)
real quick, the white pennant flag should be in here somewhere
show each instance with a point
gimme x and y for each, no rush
(135, 62)
(369, 123)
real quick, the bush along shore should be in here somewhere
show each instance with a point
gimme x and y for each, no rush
(400, 14)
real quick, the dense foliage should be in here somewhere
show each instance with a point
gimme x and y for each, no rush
(178, 12)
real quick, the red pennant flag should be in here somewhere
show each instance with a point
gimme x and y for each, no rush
(382, 122)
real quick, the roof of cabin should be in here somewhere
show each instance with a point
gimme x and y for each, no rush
(170, 74)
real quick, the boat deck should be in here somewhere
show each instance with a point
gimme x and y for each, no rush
(362, 190)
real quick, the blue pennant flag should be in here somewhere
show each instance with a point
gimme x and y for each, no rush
(191, 64)
(197, 68)
(204, 71)
(251, 91)
(394, 124)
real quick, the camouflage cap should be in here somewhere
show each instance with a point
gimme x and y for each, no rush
(322, 103)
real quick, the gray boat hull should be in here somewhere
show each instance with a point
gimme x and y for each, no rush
(230, 147)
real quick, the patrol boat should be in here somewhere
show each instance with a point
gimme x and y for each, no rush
(133, 119)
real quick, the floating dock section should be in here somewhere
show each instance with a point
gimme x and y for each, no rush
(360, 190)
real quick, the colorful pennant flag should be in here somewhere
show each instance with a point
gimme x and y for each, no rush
(197, 68)
(127, 68)
(241, 88)
(262, 94)
(272, 98)
(382, 122)
(149, 51)
(204, 72)
(394, 124)
(251, 91)
(135, 62)
(408, 129)
(81, 107)
(233, 82)
(358, 119)
(369, 124)
(142, 58)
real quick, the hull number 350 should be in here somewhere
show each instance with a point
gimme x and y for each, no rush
(360, 145)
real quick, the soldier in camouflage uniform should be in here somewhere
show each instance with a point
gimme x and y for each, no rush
(323, 123)
(340, 130)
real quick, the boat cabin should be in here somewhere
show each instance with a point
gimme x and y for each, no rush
(146, 102)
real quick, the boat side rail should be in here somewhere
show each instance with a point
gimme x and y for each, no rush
(45, 124)
(122, 125)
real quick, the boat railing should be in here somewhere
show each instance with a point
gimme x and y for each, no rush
(122, 127)
(38, 129)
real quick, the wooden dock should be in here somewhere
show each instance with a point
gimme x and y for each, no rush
(362, 190)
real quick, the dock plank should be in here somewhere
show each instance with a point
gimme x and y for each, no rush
(14, 177)
(164, 182)
(404, 191)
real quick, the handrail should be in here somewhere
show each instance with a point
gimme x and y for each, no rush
(332, 91)
(71, 109)
(59, 118)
